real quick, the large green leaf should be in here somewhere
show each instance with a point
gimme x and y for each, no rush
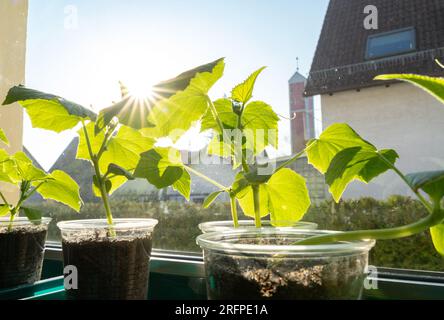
(96, 141)
(225, 112)
(8, 168)
(288, 197)
(437, 233)
(183, 185)
(434, 86)
(162, 167)
(260, 124)
(337, 137)
(211, 198)
(48, 111)
(246, 201)
(431, 182)
(4, 210)
(356, 164)
(26, 170)
(131, 111)
(32, 214)
(243, 92)
(123, 150)
(62, 188)
(3, 137)
(176, 114)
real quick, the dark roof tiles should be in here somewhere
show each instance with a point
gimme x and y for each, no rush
(339, 63)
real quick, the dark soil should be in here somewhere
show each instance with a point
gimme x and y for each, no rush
(21, 255)
(111, 269)
(231, 277)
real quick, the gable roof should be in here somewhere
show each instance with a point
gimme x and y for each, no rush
(339, 63)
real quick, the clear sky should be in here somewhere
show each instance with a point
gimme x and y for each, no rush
(79, 49)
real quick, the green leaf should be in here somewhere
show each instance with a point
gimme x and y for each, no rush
(288, 197)
(8, 168)
(48, 111)
(431, 182)
(437, 233)
(355, 164)
(260, 124)
(246, 201)
(131, 111)
(225, 112)
(123, 150)
(434, 86)
(95, 141)
(26, 170)
(240, 184)
(162, 167)
(4, 210)
(183, 185)
(175, 115)
(116, 170)
(337, 137)
(32, 214)
(62, 188)
(211, 198)
(244, 91)
(3, 137)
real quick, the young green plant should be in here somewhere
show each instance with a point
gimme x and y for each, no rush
(113, 140)
(242, 129)
(343, 156)
(18, 170)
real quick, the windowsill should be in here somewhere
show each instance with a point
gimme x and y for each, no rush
(169, 266)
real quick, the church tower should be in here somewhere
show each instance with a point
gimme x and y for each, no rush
(301, 113)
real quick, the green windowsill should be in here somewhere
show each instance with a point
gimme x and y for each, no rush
(188, 284)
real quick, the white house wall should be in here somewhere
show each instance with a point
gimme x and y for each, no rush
(401, 117)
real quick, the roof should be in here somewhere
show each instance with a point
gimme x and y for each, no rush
(339, 63)
(297, 78)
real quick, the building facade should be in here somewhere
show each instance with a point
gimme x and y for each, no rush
(393, 115)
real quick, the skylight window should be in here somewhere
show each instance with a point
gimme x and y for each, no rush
(391, 43)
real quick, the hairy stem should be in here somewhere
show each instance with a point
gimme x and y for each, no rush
(234, 211)
(426, 204)
(208, 179)
(383, 234)
(4, 199)
(100, 182)
(257, 208)
(291, 160)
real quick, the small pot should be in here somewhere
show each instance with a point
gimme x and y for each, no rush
(112, 262)
(266, 264)
(22, 247)
(213, 226)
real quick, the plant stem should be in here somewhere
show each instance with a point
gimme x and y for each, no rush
(291, 160)
(201, 175)
(383, 234)
(234, 211)
(216, 115)
(4, 199)
(100, 182)
(403, 177)
(257, 208)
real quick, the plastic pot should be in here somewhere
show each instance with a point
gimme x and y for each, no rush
(213, 226)
(267, 264)
(112, 263)
(22, 247)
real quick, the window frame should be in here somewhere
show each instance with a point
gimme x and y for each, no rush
(382, 34)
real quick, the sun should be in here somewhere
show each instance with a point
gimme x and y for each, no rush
(140, 87)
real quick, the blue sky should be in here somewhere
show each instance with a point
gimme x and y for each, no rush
(80, 49)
